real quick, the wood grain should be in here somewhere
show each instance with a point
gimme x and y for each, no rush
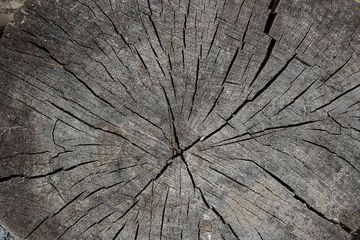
(183, 119)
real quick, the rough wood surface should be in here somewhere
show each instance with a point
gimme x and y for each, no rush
(183, 119)
(7, 9)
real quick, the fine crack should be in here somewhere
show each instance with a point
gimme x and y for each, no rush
(300, 199)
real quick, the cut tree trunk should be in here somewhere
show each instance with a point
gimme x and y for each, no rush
(201, 119)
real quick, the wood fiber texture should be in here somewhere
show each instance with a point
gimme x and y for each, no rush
(7, 9)
(181, 119)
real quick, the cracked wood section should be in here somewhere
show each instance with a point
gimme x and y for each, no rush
(184, 119)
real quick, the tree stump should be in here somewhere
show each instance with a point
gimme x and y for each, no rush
(184, 119)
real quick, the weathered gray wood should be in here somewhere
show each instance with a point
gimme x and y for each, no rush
(181, 119)
(7, 9)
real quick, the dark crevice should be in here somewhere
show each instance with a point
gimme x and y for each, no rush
(288, 187)
(294, 99)
(204, 199)
(266, 59)
(246, 29)
(337, 97)
(167, 165)
(332, 152)
(188, 8)
(156, 32)
(355, 235)
(170, 63)
(239, 12)
(269, 22)
(119, 231)
(101, 49)
(47, 51)
(266, 86)
(30, 33)
(190, 145)
(149, 6)
(224, 222)
(264, 130)
(303, 38)
(114, 80)
(230, 125)
(184, 34)
(101, 129)
(147, 120)
(127, 210)
(172, 121)
(18, 100)
(68, 203)
(202, 158)
(189, 172)
(53, 135)
(259, 234)
(222, 83)
(89, 111)
(78, 220)
(195, 87)
(111, 21)
(213, 39)
(153, 50)
(137, 231)
(337, 70)
(235, 181)
(274, 4)
(343, 226)
(214, 104)
(93, 224)
(183, 58)
(108, 215)
(2, 29)
(126, 43)
(102, 188)
(303, 62)
(260, 110)
(172, 84)
(10, 177)
(230, 66)
(161, 68)
(37, 226)
(246, 67)
(127, 167)
(199, 232)
(163, 214)
(25, 153)
(272, 15)
(71, 72)
(142, 61)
